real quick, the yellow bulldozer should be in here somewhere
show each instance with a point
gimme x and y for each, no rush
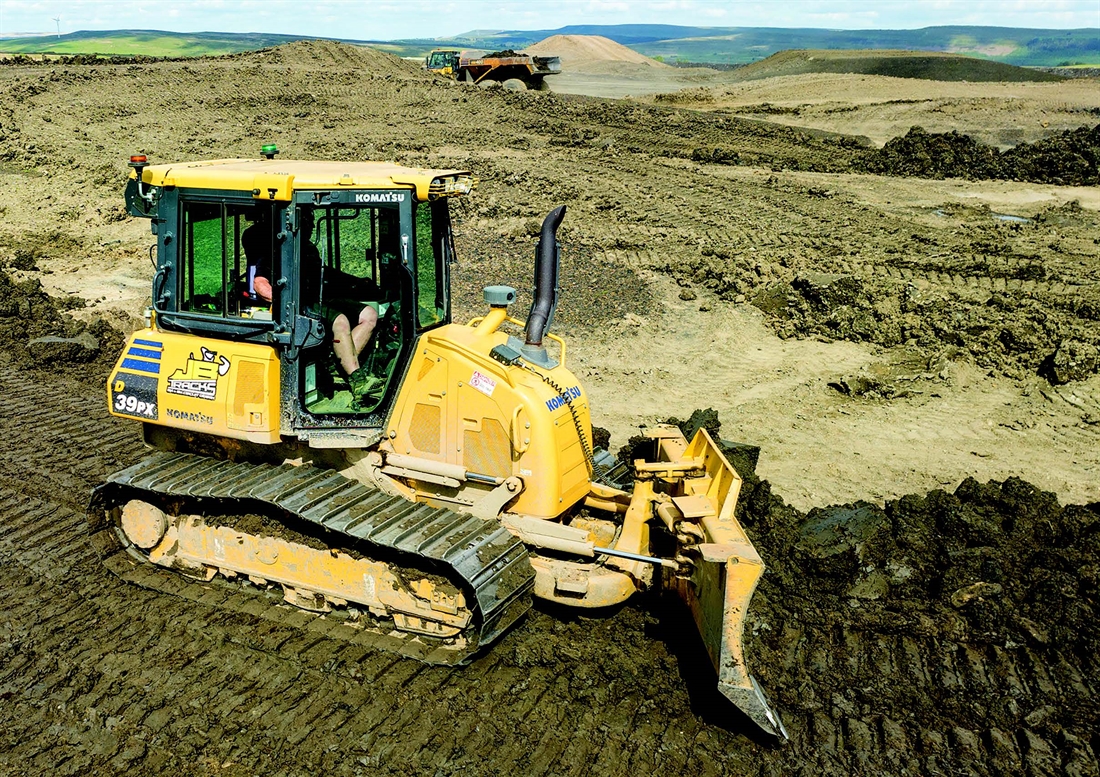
(420, 500)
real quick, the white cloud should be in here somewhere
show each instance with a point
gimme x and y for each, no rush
(608, 6)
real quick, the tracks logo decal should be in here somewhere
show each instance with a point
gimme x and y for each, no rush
(199, 378)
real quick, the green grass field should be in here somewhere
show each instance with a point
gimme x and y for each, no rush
(130, 45)
(148, 43)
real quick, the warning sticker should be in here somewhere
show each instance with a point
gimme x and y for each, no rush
(483, 383)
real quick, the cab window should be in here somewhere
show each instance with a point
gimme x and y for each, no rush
(363, 242)
(434, 252)
(214, 271)
(350, 259)
(439, 59)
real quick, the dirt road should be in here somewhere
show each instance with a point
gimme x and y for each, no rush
(875, 336)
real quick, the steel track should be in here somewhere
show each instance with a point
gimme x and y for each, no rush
(481, 556)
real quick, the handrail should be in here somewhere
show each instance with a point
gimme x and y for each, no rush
(516, 435)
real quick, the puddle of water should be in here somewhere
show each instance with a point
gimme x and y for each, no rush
(1010, 217)
(999, 216)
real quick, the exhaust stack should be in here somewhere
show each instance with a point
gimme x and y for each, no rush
(547, 256)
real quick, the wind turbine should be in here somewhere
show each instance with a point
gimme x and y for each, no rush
(57, 19)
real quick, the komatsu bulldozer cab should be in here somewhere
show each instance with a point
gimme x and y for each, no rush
(331, 239)
(384, 253)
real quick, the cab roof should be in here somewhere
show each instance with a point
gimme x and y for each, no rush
(278, 179)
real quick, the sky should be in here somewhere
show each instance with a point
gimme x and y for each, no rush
(392, 19)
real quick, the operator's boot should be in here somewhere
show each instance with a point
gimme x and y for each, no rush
(365, 386)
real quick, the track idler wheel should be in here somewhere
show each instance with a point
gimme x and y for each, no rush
(143, 524)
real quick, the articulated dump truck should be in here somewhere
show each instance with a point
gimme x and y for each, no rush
(415, 500)
(514, 70)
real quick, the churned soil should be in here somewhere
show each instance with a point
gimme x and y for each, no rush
(36, 332)
(1069, 158)
(915, 359)
(944, 632)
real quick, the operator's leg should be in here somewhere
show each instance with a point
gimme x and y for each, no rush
(360, 336)
(343, 344)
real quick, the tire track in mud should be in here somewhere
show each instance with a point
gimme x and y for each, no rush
(967, 283)
(129, 679)
(865, 735)
(71, 595)
(60, 437)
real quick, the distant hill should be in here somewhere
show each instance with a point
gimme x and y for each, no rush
(739, 45)
(626, 34)
(670, 43)
(934, 66)
(152, 43)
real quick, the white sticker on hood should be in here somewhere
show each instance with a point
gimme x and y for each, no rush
(483, 383)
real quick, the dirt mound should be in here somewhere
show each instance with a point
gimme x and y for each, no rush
(583, 51)
(327, 53)
(936, 155)
(83, 59)
(912, 636)
(933, 66)
(935, 604)
(35, 332)
(991, 563)
(1070, 158)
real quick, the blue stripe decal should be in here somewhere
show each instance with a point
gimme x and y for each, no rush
(144, 352)
(133, 364)
(150, 343)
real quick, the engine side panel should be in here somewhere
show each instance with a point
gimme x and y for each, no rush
(460, 406)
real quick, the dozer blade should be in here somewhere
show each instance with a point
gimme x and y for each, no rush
(724, 570)
(718, 595)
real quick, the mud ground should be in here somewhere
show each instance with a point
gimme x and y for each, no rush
(875, 335)
(879, 108)
(944, 633)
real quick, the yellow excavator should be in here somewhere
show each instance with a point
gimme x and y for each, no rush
(418, 503)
